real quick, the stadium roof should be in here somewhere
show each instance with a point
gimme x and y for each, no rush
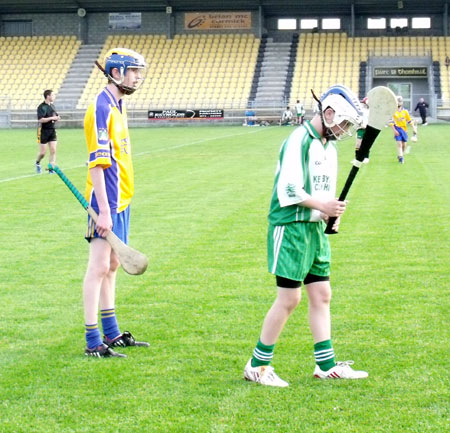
(270, 7)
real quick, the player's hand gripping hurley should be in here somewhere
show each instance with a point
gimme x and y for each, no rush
(132, 261)
(382, 105)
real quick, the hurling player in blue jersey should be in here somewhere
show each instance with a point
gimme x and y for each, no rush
(109, 189)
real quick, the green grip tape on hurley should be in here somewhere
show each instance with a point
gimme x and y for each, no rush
(69, 185)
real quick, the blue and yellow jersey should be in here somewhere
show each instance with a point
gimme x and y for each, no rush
(401, 119)
(108, 143)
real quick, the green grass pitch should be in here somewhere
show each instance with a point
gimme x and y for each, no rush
(199, 213)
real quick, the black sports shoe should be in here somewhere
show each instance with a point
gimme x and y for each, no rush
(103, 351)
(123, 340)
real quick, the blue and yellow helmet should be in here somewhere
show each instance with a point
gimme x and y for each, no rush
(122, 59)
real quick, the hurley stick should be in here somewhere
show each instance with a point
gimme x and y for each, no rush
(382, 105)
(132, 261)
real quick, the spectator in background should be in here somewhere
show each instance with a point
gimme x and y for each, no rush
(447, 61)
(250, 118)
(300, 112)
(47, 116)
(286, 117)
(422, 107)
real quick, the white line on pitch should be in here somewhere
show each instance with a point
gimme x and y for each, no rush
(162, 149)
(11, 179)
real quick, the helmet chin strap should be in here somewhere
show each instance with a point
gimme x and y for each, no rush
(126, 90)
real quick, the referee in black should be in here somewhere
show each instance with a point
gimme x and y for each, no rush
(46, 135)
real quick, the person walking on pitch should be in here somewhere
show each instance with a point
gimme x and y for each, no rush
(303, 198)
(399, 125)
(422, 107)
(46, 135)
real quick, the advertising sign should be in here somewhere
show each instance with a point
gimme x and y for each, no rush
(218, 20)
(186, 114)
(401, 72)
(125, 21)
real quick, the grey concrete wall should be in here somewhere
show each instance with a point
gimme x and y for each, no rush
(98, 26)
(437, 23)
(49, 24)
(94, 27)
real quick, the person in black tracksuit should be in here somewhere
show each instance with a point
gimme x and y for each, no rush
(46, 134)
(422, 107)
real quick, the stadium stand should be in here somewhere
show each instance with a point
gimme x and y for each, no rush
(43, 63)
(324, 59)
(211, 70)
(441, 50)
(327, 58)
(201, 71)
(291, 66)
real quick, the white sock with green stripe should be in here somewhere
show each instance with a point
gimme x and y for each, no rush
(324, 355)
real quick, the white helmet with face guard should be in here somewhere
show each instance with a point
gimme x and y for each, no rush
(345, 105)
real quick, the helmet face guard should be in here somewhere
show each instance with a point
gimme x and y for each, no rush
(123, 59)
(348, 113)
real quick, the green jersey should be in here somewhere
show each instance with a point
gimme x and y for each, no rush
(306, 168)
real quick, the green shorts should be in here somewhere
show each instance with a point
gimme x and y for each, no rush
(298, 249)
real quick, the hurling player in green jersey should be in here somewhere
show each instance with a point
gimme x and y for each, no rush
(298, 250)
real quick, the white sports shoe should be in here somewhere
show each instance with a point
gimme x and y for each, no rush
(264, 374)
(342, 370)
